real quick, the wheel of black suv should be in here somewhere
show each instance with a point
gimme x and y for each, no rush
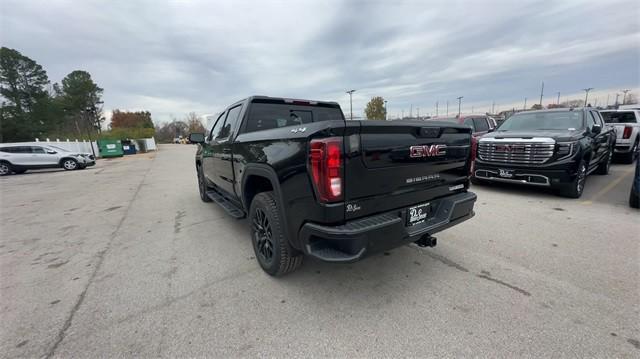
(603, 167)
(69, 164)
(628, 157)
(273, 252)
(575, 189)
(5, 168)
(202, 186)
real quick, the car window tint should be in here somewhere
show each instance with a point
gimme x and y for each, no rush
(469, 122)
(37, 149)
(217, 126)
(481, 124)
(229, 123)
(266, 116)
(7, 149)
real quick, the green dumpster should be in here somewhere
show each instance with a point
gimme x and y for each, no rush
(110, 148)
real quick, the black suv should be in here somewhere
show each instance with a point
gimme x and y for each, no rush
(549, 148)
(312, 183)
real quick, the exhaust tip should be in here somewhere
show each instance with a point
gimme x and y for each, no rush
(427, 241)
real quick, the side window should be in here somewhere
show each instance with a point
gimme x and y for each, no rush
(216, 127)
(599, 118)
(469, 122)
(7, 149)
(481, 124)
(229, 123)
(37, 149)
(22, 149)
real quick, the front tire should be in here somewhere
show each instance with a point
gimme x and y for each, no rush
(575, 188)
(270, 244)
(5, 168)
(202, 185)
(69, 164)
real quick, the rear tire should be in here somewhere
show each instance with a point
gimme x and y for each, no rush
(628, 157)
(5, 168)
(270, 244)
(69, 164)
(575, 189)
(202, 185)
(603, 167)
(634, 199)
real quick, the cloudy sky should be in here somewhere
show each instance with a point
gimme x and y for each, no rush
(173, 57)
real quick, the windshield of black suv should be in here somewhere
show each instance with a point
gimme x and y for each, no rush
(619, 117)
(540, 121)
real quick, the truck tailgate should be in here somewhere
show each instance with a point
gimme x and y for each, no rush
(400, 163)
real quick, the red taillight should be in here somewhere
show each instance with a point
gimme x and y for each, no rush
(325, 159)
(627, 132)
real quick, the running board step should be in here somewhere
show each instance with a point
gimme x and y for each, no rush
(231, 208)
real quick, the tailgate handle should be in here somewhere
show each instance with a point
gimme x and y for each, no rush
(429, 132)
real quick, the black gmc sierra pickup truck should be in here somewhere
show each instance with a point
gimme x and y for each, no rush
(314, 184)
(548, 148)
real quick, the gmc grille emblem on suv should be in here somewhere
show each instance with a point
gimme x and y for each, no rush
(427, 151)
(509, 148)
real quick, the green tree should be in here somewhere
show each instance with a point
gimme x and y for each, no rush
(24, 97)
(375, 109)
(82, 102)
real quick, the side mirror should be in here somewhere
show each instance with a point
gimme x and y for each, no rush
(596, 129)
(196, 137)
(51, 152)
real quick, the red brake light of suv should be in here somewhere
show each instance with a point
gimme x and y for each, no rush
(627, 132)
(325, 160)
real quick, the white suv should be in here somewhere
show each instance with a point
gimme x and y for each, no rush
(20, 158)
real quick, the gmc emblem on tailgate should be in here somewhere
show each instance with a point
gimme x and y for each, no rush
(427, 151)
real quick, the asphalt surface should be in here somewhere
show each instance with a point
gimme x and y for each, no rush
(123, 259)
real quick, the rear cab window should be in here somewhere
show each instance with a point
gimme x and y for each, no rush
(619, 117)
(270, 115)
(481, 124)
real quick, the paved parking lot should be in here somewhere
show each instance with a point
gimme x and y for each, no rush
(123, 259)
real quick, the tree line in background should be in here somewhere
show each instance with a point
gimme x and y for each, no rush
(31, 107)
(168, 132)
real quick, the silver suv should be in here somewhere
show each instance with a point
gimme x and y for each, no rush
(20, 158)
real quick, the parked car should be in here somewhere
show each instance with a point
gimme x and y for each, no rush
(480, 125)
(634, 195)
(550, 148)
(20, 158)
(627, 126)
(312, 183)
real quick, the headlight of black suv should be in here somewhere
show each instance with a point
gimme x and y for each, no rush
(565, 149)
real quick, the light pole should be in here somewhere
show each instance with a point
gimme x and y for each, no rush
(586, 95)
(350, 92)
(624, 96)
(460, 104)
(541, 93)
(418, 115)
(558, 102)
(385, 110)
(436, 108)
(447, 108)
(525, 104)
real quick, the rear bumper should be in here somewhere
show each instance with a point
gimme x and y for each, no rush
(359, 238)
(623, 147)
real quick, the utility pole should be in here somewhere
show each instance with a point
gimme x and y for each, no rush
(541, 93)
(350, 92)
(558, 102)
(624, 97)
(525, 104)
(447, 108)
(617, 95)
(436, 108)
(586, 95)
(418, 109)
(607, 100)
(493, 108)
(385, 110)
(460, 104)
